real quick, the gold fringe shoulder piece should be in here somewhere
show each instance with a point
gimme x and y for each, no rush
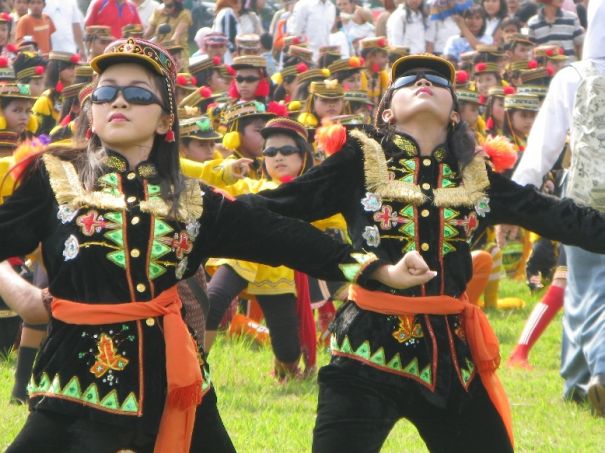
(191, 203)
(377, 174)
(68, 188)
(472, 189)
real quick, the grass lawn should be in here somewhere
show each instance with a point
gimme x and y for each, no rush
(264, 417)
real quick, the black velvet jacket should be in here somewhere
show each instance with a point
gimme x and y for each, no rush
(394, 201)
(118, 244)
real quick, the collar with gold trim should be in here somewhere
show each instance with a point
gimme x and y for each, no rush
(116, 162)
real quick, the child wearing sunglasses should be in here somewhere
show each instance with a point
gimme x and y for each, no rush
(119, 227)
(423, 353)
(250, 82)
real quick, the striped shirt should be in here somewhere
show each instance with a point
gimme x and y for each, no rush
(565, 31)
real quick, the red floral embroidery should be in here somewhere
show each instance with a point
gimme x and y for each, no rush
(387, 218)
(91, 223)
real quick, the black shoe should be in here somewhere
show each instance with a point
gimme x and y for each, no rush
(596, 394)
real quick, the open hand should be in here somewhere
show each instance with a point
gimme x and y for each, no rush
(504, 233)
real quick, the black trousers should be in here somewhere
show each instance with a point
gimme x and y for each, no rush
(355, 415)
(279, 310)
(50, 432)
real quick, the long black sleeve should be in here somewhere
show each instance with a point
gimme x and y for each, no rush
(557, 219)
(236, 230)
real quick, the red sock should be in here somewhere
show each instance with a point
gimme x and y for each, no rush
(539, 318)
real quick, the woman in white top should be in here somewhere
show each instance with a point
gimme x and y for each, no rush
(495, 11)
(249, 22)
(406, 27)
(226, 20)
(354, 22)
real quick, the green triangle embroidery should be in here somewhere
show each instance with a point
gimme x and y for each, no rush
(72, 388)
(110, 401)
(408, 212)
(408, 178)
(449, 232)
(410, 247)
(446, 170)
(378, 357)
(465, 375)
(44, 384)
(449, 213)
(91, 394)
(447, 248)
(346, 346)
(161, 228)
(408, 229)
(130, 404)
(155, 270)
(158, 250)
(153, 189)
(350, 271)
(116, 236)
(364, 350)
(470, 365)
(410, 164)
(333, 343)
(426, 374)
(447, 183)
(55, 386)
(114, 217)
(395, 363)
(118, 257)
(412, 367)
(111, 179)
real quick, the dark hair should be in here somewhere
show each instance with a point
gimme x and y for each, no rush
(408, 13)
(305, 149)
(245, 122)
(460, 139)
(502, 12)
(88, 157)
(266, 41)
(178, 7)
(68, 104)
(342, 75)
(510, 21)
(476, 9)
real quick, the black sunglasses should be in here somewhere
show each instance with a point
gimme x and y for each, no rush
(287, 150)
(249, 79)
(133, 95)
(411, 79)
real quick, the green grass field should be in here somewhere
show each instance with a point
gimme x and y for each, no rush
(264, 417)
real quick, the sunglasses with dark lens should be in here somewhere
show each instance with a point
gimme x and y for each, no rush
(132, 94)
(411, 79)
(249, 79)
(287, 150)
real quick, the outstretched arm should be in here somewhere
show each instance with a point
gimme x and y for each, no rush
(21, 296)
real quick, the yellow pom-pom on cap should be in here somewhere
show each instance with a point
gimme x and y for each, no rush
(325, 72)
(308, 119)
(231, 140)
(32, 124)
(277, 78)
(2, 123)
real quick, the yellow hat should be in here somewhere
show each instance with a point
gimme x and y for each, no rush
(330, 89)
(421, 61)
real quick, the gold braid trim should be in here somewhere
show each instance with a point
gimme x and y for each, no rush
(377, 174)
(191, 204)
(470, 191)
(68, 188)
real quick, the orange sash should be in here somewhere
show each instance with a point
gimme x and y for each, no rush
(182, 366)
(482, 340)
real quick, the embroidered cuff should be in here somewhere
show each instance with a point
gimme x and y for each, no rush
(363, 266)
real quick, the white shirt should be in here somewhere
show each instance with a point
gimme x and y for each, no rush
(406, 31)
(146, 9)
(439, 31)
(314, 20)
(64, 13)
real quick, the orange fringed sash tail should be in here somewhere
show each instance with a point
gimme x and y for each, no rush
(183, 372)
(482, 340)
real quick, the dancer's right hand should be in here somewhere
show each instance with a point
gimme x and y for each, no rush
(411, 270)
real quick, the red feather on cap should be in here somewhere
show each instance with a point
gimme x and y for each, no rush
(205, 91)
(277, 108)
(375, 68)
(181, 80)
(489, 124)
(216, 60)
(550, 52)
(561, 51)
(482, 99)
(509, 90)
(296, 40)
(75, 58)
(39, 70)
(550, 69)
(230, 70)
(5, 16)
(262, 89)
(301, 67)
(480, 67)
(59, 87)
(3, 62)
(11, 48)
(532, 64)
(382, 42)
(461, 77)
(355, 62)
(331, 138)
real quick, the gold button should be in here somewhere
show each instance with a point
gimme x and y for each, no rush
(424, 247)
(131, 176)
(135, 220)
(426, 186)
(424, 213)
(135, 253)
(141, 288)
(426, 162)
(131, 199)
(150, 322)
